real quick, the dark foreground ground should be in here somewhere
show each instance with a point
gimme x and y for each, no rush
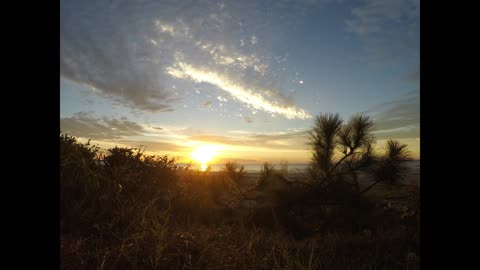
(130, 211)
(197, 234)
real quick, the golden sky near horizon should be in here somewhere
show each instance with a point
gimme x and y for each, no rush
(222, 153)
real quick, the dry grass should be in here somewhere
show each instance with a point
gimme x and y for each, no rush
(197, 246)
(114, 217)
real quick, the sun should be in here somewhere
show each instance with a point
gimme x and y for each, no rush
(204, 154)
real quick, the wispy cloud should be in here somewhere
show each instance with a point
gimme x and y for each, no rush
(158, 147)
(247, 96)
(375, 14)
(274, 140)
(111, 131)
(86, 125)
(398, 119)
(389, 29)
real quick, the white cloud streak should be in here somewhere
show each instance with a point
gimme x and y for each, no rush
(245, 95)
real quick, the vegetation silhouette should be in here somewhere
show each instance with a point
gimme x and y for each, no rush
(124, 209)
(341, 153)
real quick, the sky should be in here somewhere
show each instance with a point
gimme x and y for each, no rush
(244, 79)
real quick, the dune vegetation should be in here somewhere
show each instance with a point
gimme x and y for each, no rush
(124, 209)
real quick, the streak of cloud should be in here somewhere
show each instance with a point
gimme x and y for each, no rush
(85, 125)
(398, 119)
(247, 96)
(273, 140)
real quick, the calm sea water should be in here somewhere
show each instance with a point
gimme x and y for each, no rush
(415, 166)
(258, 167)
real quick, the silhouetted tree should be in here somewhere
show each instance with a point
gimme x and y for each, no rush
(341, 151)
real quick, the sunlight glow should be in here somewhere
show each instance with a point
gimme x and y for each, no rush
(204, 154)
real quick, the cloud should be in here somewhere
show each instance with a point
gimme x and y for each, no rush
(100, 48)
(399, 119)
(237, 91)
(123, 49)
(159, 147)
(375, 14)
(85, 125)
(276, 140)
(389, 29)
(405, 132)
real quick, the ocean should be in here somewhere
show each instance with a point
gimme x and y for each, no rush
(252, 168)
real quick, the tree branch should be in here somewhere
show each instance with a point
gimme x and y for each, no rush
(342, 159)
(369, 187)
